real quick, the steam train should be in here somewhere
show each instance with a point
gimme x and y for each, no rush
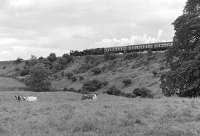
(124, 49)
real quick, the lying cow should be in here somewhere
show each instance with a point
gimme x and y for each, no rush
(89, 96)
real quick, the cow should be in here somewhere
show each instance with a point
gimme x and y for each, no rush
(25, 98)
(19, 98)
(31, 99)
(89, 97)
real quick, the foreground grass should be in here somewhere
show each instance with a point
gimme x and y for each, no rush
(64, 114)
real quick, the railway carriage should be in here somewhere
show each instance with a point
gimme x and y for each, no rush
(123, 49)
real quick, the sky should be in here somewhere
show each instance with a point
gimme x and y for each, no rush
(40, 27)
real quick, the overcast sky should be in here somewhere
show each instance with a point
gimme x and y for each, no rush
(40, 27)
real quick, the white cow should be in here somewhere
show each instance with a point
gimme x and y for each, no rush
(89, 96)
(31, 98)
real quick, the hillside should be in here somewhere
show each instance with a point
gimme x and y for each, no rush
(143, 70)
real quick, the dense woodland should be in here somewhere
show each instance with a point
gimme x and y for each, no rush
(183, 79)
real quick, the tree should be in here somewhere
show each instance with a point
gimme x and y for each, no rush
(183, 57)
(52, 57)
(18, 60)
(39, 78)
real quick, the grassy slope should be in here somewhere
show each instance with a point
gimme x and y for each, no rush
(139, 70)
(64, 114)
(9, 68)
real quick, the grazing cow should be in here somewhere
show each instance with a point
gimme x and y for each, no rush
(89, 96)
(19, 98)
(31, 98)
(23, 98)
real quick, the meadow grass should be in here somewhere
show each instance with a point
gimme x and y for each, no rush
(64, 114)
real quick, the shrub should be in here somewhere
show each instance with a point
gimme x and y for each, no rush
(105, 83)
(109, 56)
(84, 68)
(127, 82)
(52, 57)
(62, 74)
(90, 59)
(55, 76)
(18, 60)
(155, 73)
(74, 79)
(81, 78)
(130, 56)
(96, 71)
(4, 67)
(129, 95)
(70, 90)
(24, 72)
(17, 69)
(150, 52)
(69, 75)
(57, 67)
(39, 78)
(92, 86)
(143, 92)
(113, 91)
(162, 68)
(65, 59)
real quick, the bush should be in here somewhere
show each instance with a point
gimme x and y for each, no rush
(130, 56)
(66, 59)
(129, 95)
(127, 82)
(39, 78)
(143, 92)
(90, 59)
(81, 78)
(74, 79)
(69, 75)
(105, 83)
(92, 86)
(17, 69)
(150, 52)
(96, 71)
(55, 76)
(57, 67)
(52, 57)
(84, 68)
(62, 74)
(18, 60)
(24, 72)
(162, 68)
(70, 90)
(109, 56)
(155, 73)
(4, 67)
(113, 91)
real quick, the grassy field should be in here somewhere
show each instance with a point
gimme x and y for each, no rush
(65, 114)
